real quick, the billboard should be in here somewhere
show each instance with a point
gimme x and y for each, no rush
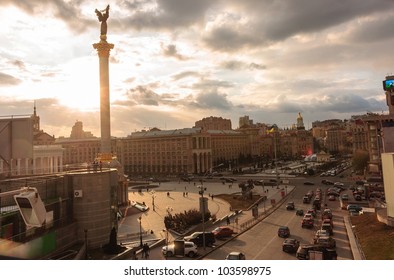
(388, 85)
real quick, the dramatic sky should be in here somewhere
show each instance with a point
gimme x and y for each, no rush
(178, 61)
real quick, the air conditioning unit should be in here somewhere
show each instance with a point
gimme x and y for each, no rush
(78, 193)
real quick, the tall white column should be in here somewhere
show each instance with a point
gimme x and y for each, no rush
(103, 49)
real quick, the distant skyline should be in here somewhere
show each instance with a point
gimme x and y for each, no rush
(178, 61)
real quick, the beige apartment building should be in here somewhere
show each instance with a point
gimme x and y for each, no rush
(178, 151)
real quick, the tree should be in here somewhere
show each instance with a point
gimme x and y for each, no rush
(360, 160)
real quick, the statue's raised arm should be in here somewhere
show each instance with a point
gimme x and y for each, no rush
(102, 17)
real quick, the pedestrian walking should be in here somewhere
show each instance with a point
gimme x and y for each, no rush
(145, 251)
(228, 220)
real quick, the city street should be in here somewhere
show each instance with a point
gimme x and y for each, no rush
(152, 222)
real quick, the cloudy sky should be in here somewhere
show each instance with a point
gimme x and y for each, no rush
(178, 61)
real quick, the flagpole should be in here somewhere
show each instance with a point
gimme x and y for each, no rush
(276, 163)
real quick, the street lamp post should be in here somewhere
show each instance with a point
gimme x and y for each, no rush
(265, 197)
(202, 189)
(153, 200)
(140, 219)
(86, 244)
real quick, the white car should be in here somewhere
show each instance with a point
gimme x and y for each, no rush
(140, 206)
(190, 249)
(235, 256)
(320, 233)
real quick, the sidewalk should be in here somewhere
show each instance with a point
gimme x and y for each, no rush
(176, 201)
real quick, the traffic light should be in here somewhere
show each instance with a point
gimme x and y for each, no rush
(31, 207)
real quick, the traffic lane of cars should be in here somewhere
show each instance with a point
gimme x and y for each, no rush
(262, 241)
(271, 248)
(339, 230)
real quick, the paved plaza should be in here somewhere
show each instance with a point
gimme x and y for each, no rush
(179, 196)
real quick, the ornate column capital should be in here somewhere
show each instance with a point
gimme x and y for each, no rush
(103, 48)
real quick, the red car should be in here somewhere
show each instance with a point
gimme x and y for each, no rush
(307, 222)
(222, 232)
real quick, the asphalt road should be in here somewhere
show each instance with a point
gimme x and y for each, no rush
(262, 242)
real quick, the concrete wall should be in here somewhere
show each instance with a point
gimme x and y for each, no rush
(94, 205)
(388, 180)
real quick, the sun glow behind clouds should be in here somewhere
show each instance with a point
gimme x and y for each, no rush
(80, 87)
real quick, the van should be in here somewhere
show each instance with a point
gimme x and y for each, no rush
(198, 237)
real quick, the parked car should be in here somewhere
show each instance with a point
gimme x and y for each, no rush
(222, 232)
(290, 206)
(357, 197)
(236, 256)
(197, 238)
(190, 249)
(290, 245)
(284, 231)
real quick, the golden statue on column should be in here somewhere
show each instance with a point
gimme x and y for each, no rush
(102, 17)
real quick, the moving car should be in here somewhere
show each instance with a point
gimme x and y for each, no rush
(327, 227)
(305, 252)
(312, 212)
(320, 233)
(308, 183)
(140, 206)
(307, 222)
(345, 196)
(222, 232)
(290, 206)
(190, 249)
(236, 256)
(354, 206)
(327, 214)
(283, 231)
(290, 245)
(326, 241)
